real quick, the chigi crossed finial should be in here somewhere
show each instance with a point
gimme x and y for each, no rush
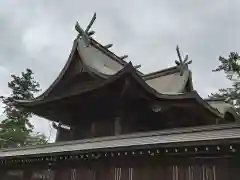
(182, 64)
(85, 34)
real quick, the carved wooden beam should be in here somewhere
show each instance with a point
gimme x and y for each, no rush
(60, 126)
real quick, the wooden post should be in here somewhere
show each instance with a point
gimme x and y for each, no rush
(117, 126)
(73, 133)
(118, 123)
(93, 129)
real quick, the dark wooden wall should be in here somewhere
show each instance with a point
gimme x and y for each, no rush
(130, 169)
(174, 172)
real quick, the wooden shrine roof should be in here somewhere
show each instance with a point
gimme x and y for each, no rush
(192, 136)
(130, 71)
(99, 62)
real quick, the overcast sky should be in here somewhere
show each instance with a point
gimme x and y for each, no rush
(39, 35)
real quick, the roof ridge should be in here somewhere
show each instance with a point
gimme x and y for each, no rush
(109, 53)
(162, 72)
(101, 48)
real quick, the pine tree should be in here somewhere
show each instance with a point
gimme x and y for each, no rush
(231, 67)
(16, 129)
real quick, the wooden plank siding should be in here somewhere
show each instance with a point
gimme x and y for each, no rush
(190, 170)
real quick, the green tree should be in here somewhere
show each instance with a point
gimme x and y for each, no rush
(16, 129)
(231, 67)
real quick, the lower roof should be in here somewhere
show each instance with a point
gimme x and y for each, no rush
(223, 107)
(204, 135)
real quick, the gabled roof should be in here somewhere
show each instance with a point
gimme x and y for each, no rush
(165, 81)
(130, 71)
(221, 134)
(96, 50)
(102, 63)
(99, 62)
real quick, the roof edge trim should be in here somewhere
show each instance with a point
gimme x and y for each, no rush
(134, 135)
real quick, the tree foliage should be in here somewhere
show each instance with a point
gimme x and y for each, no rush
(231, 67)
(16, 129)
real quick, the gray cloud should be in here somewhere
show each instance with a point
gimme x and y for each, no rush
(39, 35)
